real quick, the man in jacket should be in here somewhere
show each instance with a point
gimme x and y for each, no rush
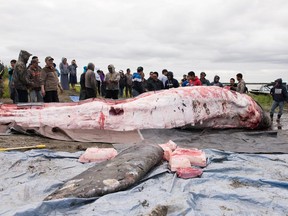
(90, 82)
(49, 82)
(34, 74)
(279, 94)
(20, 77)
(112, 83)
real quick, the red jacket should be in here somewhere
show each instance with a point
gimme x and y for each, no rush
(195, 82)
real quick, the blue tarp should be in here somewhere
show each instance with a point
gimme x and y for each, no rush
(232, 184)
(74, 98)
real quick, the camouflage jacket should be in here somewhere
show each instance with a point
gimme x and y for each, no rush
(20, 77)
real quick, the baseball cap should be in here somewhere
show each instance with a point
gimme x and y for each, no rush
(139, 69)
(48, 58)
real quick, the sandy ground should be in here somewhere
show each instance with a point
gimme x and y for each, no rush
(18, 140)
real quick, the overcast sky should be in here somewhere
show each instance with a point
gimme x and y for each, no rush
(222, 37)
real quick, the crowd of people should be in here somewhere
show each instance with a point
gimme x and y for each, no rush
(35, 84)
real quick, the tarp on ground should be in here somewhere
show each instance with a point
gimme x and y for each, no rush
(232, 184)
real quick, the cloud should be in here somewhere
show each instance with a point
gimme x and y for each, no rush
(219, 36)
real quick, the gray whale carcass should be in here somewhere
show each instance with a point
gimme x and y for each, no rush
(199, 106)
(114, 175)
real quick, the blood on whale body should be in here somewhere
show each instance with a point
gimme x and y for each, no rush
(198, 106)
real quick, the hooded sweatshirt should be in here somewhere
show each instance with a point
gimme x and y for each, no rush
(279, 92)
(20, 75)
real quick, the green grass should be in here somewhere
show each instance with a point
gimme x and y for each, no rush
(264, 100)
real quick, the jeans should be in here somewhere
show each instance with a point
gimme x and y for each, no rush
(35, 96)
(274, 106)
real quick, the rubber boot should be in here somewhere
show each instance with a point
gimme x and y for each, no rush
(278, 118)
(271, 117)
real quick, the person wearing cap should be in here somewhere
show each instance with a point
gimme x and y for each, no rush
(279, 95)
(34, 74)
(204, 81)
(137, 82)
(49, 82)
(216, 82)
(171, 82)
(20, 77)
(36, 59)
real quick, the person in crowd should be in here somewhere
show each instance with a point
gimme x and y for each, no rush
(241, 86)
(73, 74)
(20, 77)
(82, 95)
(34, 74)
(184, 78)
(232, 85)
(34, 58)
(204, 81)
(64, 71)
(163, 77)
(57, 71)
(279, 95)
(122, 83)
(98, 81)
(128, 86)
(137, 82)
(171, 82)
(216, 81)
(150, 79)
(103, 83)
(112, 83)
(192, 80)
(49, 82)
(1, 80)
(154, 84)
(90, 82)
(12, 91)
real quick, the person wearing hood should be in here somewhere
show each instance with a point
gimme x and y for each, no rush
(112, 83)
(73, 74)
(171, 82)
(279, 95)
(20, 77)
(192, 80)
(64, 71)
(216, 82)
